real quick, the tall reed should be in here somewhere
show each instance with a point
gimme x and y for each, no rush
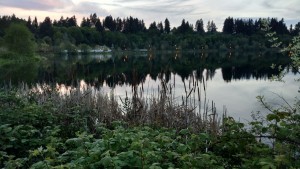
(89, 106)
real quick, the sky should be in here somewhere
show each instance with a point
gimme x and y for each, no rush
(155, 10)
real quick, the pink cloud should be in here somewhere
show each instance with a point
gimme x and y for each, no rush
(36, 4)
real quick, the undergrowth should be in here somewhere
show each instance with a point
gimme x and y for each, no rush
(36, 134)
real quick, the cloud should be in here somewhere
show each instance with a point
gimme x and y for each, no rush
(89, 8)
(280, 8)
(36, 4)
(192, 10)
(158, 10)
(171, 7)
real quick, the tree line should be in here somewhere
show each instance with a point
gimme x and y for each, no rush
(132, 33)
(250, 26)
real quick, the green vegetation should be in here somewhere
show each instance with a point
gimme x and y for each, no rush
(19, 40)
(36, 132)
(42, 128)
(131, 33)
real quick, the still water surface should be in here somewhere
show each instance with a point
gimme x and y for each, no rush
(238, 96)
(230, 79)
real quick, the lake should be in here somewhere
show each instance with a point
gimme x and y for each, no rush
(231, 80)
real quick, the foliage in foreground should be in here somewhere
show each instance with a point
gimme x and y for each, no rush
(33, 136)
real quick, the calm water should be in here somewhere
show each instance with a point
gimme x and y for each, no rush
(230, 79)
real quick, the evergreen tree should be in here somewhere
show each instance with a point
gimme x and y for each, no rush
(211, 27)
(228, 26)
(98, 25)
(46, 28)
(153, 30)
(160, 27)
(35, 25)
(185, 27)
(132, 25)
(153, 26)
(291, 29)
(71, 22)
(239, 26)
(127, 26)
(199, 26)
(13, 18)
(29, 22)
(83, 22)
(109, 23)
(278, 26)
(142, 26)
(86, 22)
(55, 23)
(208, 26)
(296, 29)
(257, 25)
(119, 25)
(167, 26)
(282, 29)
(249, 27)
(61, 23)
(29, 25)
(93, 19)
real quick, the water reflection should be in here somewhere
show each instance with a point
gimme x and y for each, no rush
(231, 79)
(132, 69)
(16, 72)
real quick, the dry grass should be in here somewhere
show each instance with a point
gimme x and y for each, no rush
(91, 106)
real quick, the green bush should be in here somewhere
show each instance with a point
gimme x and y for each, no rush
(32, 136)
